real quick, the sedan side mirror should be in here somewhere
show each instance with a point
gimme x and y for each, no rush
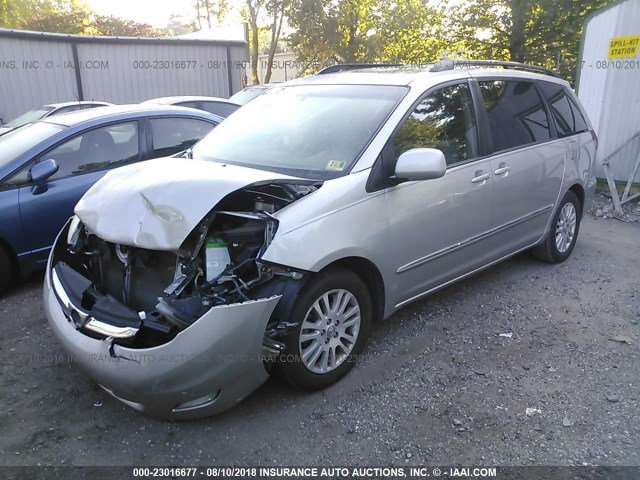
(40, 173)
(421, 164)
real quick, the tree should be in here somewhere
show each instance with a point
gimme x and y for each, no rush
(314, 36)
(406, 31)
(409, 32)
(63, 16)
(117, 27)
(14, 13)
(211, 10)
(545, 32)
(178, 25)
(277, 9)
(253, 11)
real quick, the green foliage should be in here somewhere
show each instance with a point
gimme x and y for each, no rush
(408, 32)
(117, 27)
(61, 16)
(67, 16)
(404, 31)
(315, 37)
(210, 13)
(546, 32)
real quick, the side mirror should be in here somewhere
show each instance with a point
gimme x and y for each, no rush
(421, 164)
(40, 173)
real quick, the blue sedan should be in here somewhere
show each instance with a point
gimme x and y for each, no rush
(46, 166)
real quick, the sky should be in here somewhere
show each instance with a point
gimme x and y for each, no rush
(154, 12)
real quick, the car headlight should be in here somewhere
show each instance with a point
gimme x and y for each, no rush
(74, 230)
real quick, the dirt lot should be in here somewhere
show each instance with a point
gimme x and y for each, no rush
(441, 384)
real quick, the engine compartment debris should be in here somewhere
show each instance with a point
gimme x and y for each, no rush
(144, 298)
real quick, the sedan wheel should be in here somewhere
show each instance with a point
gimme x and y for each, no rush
(333, 316)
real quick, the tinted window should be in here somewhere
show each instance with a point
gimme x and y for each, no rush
(71, 108)
(188, 104)
(444, 120)
(97, 149)
(173, 135)
(219, 108)
(567, 117)
(516, 114)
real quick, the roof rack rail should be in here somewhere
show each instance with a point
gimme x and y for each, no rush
(345, 67)
(449, 64)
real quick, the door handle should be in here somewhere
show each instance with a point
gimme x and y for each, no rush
(480, 178)
(502, 171)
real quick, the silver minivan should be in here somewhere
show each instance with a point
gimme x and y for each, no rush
(323, 205)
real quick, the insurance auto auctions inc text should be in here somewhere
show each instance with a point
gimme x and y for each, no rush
(369, 472)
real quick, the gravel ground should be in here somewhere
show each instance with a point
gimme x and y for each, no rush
(514, 366)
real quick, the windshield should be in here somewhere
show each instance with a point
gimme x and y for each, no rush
(16, 142)
(311, 131)
(30, 116)
(245, 96)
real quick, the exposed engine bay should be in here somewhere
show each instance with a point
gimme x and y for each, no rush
(144, 298)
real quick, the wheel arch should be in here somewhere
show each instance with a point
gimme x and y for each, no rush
(579, 191)
(13, 258)
(370, 275)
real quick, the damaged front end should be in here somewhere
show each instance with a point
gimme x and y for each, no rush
(178, 333)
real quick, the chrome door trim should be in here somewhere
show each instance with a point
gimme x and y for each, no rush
(464, 275)
(472, 240)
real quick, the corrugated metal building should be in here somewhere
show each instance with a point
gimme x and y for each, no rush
(608, 84)
(40, 68)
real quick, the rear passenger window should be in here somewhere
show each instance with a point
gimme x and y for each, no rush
(566, 115)
(97, 149)
(173, 135)
(219, 108)
(188, 104)
(62, 110)
(444, 120)
(516, 114)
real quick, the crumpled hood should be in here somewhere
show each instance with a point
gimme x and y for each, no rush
(155, 204)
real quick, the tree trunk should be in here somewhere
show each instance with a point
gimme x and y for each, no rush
(276, 28)
(253, 24)
(517, 39)
(198, 14)
(207, 10)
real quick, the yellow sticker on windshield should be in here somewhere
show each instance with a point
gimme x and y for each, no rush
(335, 165)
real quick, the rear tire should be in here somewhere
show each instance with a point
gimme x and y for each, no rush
(333, 313)
(6, 269)
(563, 233)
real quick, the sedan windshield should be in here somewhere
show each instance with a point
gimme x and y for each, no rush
(16, 142)
(30, 116)
(312, 131)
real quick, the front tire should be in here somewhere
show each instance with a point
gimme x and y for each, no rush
(563, 234)
(333, 315)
